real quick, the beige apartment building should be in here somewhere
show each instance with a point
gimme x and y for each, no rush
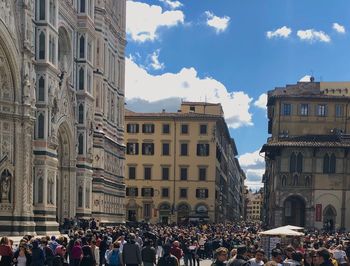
(307, 156)
(254, 204)
(182, 166)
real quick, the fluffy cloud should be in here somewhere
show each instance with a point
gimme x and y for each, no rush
(282, 32)
(311, 35)
(155, 64)
(261, 101)
(253, 164)
(172, 3)
(145, 89)
(220, 24)
(338, 28)
(144, 20)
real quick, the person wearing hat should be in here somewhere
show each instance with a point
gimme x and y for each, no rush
(241, 257)
(221, 257)
(323, 257)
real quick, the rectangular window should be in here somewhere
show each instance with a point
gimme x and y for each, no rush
(165, 192)
(165, 173)
(132, 192)
(132, 172)
(203, 129)
(202, 193)
(147, 211)
(132, 128)
(192, 108)
(132, 148)
(202, 149)
(166, 129)
(183, 173)
(321, 110)
(147, 173)
(184, 129)
(147, 192)
(338, 110)
(183, 192)
(184, 149)
(287, 109)
(304, 109)
(148, 128)
(147, 148)
(165, 148)
(202, 173)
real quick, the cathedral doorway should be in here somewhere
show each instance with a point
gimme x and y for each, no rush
(329, 218)
(294, 211)
(63, 175)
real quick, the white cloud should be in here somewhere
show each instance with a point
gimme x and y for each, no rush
(220, 24)
(144, 20)
(173, 4)
(187, 85)
(311, 35)
(155, 64)
(253, 164)
(338, 28)
(306, 78)
(261, 101)
(282, 32)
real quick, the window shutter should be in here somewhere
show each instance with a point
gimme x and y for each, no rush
(198, 149)
(143, 148)
(152, 128)
(143, 128)
(127, 191)
(136, 148)
(197, 193)
(128, 128)
(207, 149)
(206, 193)
(152, 192)
(137, 128)
(152, 145)
(136, 191)
(142, 192)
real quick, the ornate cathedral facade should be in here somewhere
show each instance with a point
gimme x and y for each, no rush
(62, 68)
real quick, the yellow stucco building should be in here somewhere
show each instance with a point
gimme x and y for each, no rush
(182, 166)
(307, 156)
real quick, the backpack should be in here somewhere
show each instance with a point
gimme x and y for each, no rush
(114, 258)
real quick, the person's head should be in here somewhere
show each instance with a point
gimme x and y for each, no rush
(166, 249)
(242, 250)
(221, 254)
(176, 243)
(277, 255)
(259, 255)
(116, 244)
(4, 241)
(289, 250)
(297, 256)
(308, 258)
(233, 252)
(60, 250)
(322, 255)
(87, 251)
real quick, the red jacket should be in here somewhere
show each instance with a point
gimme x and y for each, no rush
(177, 252)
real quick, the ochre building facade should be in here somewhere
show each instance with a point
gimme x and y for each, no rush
(182, 166)
(61, 113)
(307, 156)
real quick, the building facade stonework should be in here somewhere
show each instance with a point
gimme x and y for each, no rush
(307, 156)
(61, 113)
(182, 167)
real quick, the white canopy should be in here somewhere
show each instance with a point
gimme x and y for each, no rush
(281, 231)
(292, 227)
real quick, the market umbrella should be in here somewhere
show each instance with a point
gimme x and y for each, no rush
(281, 231)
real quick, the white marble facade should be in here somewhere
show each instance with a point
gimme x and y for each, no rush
(62, 68)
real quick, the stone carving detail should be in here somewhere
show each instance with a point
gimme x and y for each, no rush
(7, 15)
(5, 182)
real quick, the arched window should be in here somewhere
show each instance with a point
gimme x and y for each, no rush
(42, 9)
(80, 197)
(41, 94)
(41, 126)
(40, 190)
(82, 6)
(81, 114)
(87, 197)
(326, 163)
(42, 45)
(292, 163)
(332, 164)
(81, 78)
(300, 163)
(81, 144)
(82, 47)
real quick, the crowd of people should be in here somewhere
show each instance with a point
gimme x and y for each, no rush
(227, 244)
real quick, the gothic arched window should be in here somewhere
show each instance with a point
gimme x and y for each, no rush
(41, 94)
(42, 9)
(332, 164)
(326, 163)
(81, 144)
(42, 45)
(41, 126)
(87, 197)
(329, 164)
(81, 114)
(82, 47)
(299, 162)
(80, 197)
(81, 78)
(40, 190)
(292, 163)
(82, 6)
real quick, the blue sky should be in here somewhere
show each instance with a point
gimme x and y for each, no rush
(232, 52)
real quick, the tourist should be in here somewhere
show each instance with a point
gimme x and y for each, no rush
(131, 254)
(168, 259)
(148, 254)
(221, 257)
(76, 254)
(241, 257)
(38, 257)
(258, 259)
(22, 257)
(87, 258)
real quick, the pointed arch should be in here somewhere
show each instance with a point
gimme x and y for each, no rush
(80, 196)
(300, 162)
(81, 114)
(326, 163)
(292, 163)
(42, 40)
(332, 164)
